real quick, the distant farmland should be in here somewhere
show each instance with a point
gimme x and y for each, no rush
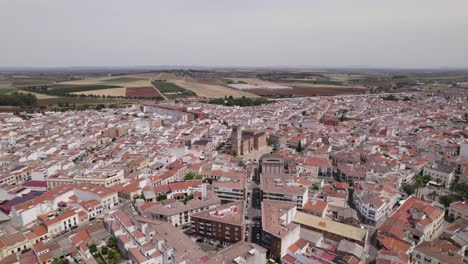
(143, 92)
(307, 91)
(64, 90)
(172, 90)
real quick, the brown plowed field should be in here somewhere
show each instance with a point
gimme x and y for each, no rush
(146, 92)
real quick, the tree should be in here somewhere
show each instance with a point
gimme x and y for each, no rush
(426, 179)
(433, 195)
(104, 250)
(58, 261)
(161, 197)
(462, 189)
(111, 255)
(189, 176)
(304, 113)
(188, 198)
(92, 248)
(445, 200)
(299, 147)
(408, 189)
(112, 242)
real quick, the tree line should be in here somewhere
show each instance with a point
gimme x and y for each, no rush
(18, 99)
(241, 101)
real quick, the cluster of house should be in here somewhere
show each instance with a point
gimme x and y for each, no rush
(302, 180)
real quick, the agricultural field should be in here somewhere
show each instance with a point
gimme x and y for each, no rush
(39, 96)
(171, 90)
(104, 92)
(6, 87)
(203, 87)
(143, 92)
(210, 90)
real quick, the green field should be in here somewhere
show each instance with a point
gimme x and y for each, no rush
(172, 90)
(5, 90)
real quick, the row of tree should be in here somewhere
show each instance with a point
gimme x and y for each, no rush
(242, 101)
(18, 99)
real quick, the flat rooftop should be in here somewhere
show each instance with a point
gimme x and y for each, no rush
(346, 231)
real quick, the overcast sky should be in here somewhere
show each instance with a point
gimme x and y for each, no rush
(328, 33)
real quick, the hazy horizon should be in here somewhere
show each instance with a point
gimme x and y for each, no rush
(397, 34)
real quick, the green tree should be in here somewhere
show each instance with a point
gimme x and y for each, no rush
(92, 248)
(188, 198)
(462, 189)
(426, 179)
(304, 113)
(112, 242)
(161, 197)
(408, 189)
(189, 176)
(111, 255)
(104, 250)
(445, 200)
(58, 261)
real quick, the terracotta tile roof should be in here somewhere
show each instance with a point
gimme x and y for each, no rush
(316, 206)
(393, 244)
(60, 218)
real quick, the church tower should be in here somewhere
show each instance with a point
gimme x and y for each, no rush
(236, 140)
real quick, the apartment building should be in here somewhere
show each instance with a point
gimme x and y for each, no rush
(278, 230)
(178, 213)
(104, 178)
(224, 224)
(374, 201)
(283, 188)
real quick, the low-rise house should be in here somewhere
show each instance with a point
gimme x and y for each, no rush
(413, 222)
(442, 252)
(316, 207)
(459, 210)
(95, 199)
